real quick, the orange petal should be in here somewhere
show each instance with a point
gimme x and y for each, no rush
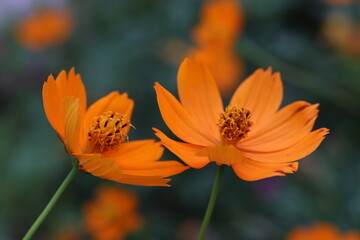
(52, 106)
(115, 102)
(200, 95)
(105, 168)
(140, 152)
(161, 169)
(71, 85)
(178, 119)
(224, 154)
(72, 122)
(295, 152)
(284, 129)
(74, 87)
(261, 94)
(250, 170)
(97, 165)
(55, 91)
(189, 153)
(145, 180)
(141, 158)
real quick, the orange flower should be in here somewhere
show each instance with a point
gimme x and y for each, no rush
(221, 21)
(251, 135)
(342, 33)
(323, 231)
(112, 214)
(98, 136)
(44, 28)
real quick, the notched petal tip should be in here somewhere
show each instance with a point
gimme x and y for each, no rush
(269, 69)
(62, 74)
(291, 168)
(72, 70)
(324, 131)
(153, 181)
(50, 78)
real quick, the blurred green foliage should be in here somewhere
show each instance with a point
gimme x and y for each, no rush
(115, 45)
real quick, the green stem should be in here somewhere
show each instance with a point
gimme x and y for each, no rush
(51, 204)
(211, 204)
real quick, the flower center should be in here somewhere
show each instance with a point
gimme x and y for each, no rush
(107, 131)
(234, 124)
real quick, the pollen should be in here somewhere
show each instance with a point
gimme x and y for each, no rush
(107, 131)
(234, 124)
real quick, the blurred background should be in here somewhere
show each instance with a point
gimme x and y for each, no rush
(128, 45)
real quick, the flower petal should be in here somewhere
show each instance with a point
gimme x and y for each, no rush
(55, 91)
(97, 165)
(103, 167)
(52, 106)
(140, 151)
(72, 122)
(178, 119)
(115, 102)
(140, 158)
(284, 129)
(200, 95)
(189, 153)
(159, 168)
(261, 94)
(224, 154)
(250, 170)
(295, 152)
(73, 86)
(145, 180)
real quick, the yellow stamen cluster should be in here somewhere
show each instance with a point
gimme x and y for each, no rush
(107, 131)
(234, 124)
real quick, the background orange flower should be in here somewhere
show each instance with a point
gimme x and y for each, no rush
(112, 214)
(321, 231)
(343, 33)
(215, 36)
(221, 22)
(45, 27)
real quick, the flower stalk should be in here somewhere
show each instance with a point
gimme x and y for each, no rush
(51, 203)
(211, 204)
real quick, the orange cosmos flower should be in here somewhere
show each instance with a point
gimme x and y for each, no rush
(112, 214)
(221, 21)
(44, 28)
(323, 231)
(343, 33)
(98, 136)
(251, 135)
